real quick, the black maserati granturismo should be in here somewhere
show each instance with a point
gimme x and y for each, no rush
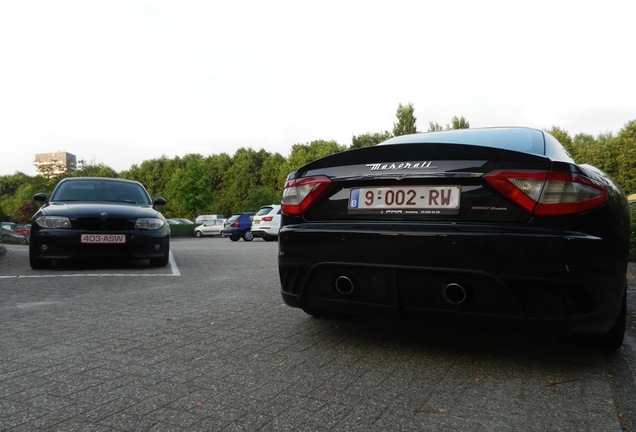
(489, 223)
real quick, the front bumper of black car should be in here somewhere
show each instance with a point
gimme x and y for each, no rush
(66, 244)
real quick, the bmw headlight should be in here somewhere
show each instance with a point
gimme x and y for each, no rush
(149, 223)
(53, 222)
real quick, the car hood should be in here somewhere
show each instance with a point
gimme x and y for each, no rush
(83, 210)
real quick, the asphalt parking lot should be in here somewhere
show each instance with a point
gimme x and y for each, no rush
(207, 344)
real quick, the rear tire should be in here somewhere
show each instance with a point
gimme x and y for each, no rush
(613, 340)
(235, 237)
(324, 314)
(610, 341)
(316, 313)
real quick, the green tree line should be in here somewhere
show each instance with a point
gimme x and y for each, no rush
(194, 184)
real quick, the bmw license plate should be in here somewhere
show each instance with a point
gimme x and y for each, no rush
(103, 238)
(406, 199)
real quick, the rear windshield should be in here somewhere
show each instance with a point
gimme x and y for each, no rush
(516, 139)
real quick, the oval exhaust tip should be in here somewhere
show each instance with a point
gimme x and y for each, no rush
(344, 285)
(454, 294)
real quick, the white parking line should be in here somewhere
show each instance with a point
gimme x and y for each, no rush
(174, 268)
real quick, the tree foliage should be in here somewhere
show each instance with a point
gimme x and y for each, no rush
(194, 184)
(85, 169)
(625, 148)
(16, 205)
(369, 139)
(459, 123)
(154, 174)
(434, 127)
(238, 180)
(405, 120)
(564, 138)
(456, 123)
(260, 196)
(272, 175)
(302, 154)
(188, 190)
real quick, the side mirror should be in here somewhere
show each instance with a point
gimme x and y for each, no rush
(41, 197)
(159, 202)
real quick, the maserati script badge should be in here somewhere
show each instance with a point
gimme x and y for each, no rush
(400, 166)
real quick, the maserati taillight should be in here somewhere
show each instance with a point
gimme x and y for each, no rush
(301, 194)
(545, 193)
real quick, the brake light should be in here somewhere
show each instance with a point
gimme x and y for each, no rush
(235, 224)
(300, 194)
(267, 219)
(546, 193)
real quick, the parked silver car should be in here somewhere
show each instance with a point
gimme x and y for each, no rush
(212, 227)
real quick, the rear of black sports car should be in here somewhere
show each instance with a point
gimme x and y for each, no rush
(495, 223)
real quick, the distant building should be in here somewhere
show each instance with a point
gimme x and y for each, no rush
(50, 164)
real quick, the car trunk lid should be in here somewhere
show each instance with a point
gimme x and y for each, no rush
(429, 182)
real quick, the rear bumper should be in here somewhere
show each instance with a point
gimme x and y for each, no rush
(569, 283)
(265, 232)
(229, 232)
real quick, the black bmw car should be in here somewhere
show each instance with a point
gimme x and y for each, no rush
(98, 218)
(493, 223)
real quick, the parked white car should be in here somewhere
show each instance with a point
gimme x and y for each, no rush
(212, 227)
(266, 222)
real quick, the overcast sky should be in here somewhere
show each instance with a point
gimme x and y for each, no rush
(120, 82)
